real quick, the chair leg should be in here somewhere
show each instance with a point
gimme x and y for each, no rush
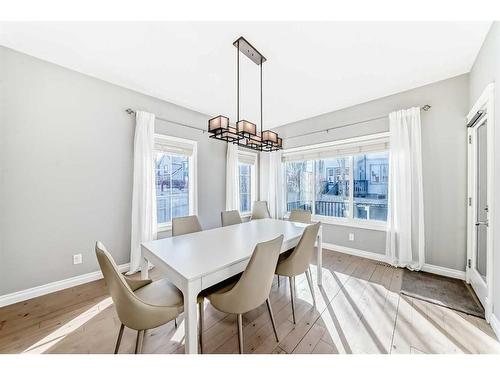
(291, 279)
(139, 341)
(175, 323)
(268, 302)
(119, 339)
(143, 338)
(201, 309)
(278, 281)
(240, 332)
(311, 286)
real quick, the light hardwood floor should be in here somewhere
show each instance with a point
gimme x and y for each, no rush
(359, 310)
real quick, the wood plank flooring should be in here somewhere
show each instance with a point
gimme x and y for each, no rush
(358, 310)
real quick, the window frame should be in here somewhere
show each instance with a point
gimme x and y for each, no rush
(162, 139)
(351, 143)
(243, 158)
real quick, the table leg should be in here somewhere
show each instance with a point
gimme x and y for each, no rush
(144, 268)
(320, 256)
(190, 316)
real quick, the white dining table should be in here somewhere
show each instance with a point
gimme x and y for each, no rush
(196, 261)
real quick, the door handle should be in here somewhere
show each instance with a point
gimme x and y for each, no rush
(482, 223)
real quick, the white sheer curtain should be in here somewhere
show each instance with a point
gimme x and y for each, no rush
(232, 178)
(271, 182)
(405, 235)
(144, 226)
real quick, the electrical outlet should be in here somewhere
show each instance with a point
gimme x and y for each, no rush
(351, 236)
(77, 259)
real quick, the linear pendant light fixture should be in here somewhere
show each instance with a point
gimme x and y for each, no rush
(245, 133)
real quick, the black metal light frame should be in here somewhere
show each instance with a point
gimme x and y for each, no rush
(232, 134)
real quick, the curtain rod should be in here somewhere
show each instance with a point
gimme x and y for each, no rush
(132, 112)
(424, 108)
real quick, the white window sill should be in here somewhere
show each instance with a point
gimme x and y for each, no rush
(165, 227)
(363, 224)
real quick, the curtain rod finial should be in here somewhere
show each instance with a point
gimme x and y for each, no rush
(426, 107)
(130, 111)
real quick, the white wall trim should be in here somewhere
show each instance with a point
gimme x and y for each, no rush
(356, 252)
(482, 101)
(444, 271)
(348, 141)
(438, 270)
(352, 223)
(495, 325)
(37, 291)
(23, 295)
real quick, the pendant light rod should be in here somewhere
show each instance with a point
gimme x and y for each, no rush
(261, 117)
(238, 82)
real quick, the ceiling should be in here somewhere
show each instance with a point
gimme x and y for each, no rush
(311, 68)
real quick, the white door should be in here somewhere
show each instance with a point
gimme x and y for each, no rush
(479, 208)
(480, 215)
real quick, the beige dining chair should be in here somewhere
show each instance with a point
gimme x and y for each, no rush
(297, 262)
(140, 304)
(230, 218)
(260, 210)
(185, 225)
(300, 216)
(253, 287)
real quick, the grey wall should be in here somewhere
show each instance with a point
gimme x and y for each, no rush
(444, 163)
(485, 70)
(66, 147)
(364, 239)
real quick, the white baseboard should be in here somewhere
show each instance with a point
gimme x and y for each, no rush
(438, 270)
(495, 325)
(443, 271)
(37, 291)
(23, 295)
(356, 252)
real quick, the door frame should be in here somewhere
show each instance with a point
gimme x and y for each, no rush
(485, 103)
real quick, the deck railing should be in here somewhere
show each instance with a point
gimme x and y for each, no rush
(326, 208)
(342, 188)
(329, 208)
(298, 205)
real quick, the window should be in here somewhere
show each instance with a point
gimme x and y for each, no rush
(345, 181)
(299, 177)
(247, 162)
(175, 170)
(371, 175)
(245, 189)
(332, 187)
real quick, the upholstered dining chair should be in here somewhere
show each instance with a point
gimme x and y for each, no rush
(140, 304)
(297, 262)
(253, 287)
(185, 225)
(260, 210)
(300, 216)
(230, 218)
